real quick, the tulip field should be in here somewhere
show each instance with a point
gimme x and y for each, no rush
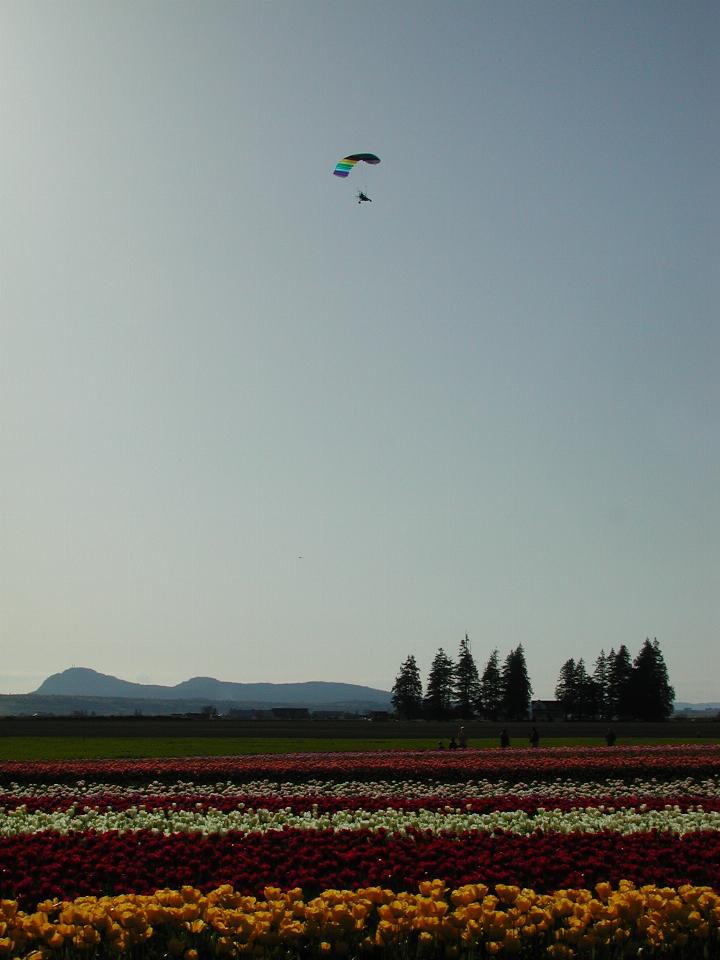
(589, 852)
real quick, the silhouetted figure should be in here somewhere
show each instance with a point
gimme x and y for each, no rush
(610, 738)
(441, 745)
(534, 737)
(453, 743)
(504, 738)
(462, 739)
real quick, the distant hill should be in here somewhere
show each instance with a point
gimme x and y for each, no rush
(681, 709)
(83, 682)
(80, 688)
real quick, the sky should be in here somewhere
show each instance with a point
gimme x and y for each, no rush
(254, 430)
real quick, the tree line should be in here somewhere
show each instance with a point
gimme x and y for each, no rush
(458, 689)
(618, 688)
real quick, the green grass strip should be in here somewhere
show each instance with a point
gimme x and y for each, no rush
(110, 748)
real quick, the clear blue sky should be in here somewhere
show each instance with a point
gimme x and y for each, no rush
(251, 429)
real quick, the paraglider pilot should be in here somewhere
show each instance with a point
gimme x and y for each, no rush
(363, 198)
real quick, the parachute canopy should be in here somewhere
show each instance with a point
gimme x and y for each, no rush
(345, 165)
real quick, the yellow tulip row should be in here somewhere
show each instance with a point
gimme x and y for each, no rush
(469, 922)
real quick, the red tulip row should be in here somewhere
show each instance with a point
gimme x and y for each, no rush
(46, 865)
(461, 765)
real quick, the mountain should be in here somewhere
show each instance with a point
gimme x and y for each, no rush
(695, 709)
(314, 694)
(83, 682)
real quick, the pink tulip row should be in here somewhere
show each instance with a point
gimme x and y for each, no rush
(562, 762)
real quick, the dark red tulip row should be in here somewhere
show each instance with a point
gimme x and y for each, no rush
(46, 865)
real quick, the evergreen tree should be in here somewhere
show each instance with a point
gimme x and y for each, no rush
(439, 693)
(491, 688)
(601, 676)
(577, 691)
(466, 683)
(665, 692)
(565, 689)
(516, 686)
(619, 673)
(407, 696)
(651, 694)
(586, 692)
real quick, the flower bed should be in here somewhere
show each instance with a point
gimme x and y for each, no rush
(515, 765)
(604, 850)
(66, 866)
(470, 921)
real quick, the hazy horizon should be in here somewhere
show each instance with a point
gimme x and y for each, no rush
(252, 428)
(223, 679)
(151, 683)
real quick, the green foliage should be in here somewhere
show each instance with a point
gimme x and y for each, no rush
(565, 687)
(619, 672)
(577, 691)
(650, 692)
(601, 679)
(466, 683)
(439, 695)
(491, 687)
(618, 688)
(516, 686)
(407, 691)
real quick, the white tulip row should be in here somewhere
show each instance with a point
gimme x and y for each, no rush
(400, 789)
(620, 820)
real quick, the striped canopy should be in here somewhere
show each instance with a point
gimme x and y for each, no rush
(344, 166)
